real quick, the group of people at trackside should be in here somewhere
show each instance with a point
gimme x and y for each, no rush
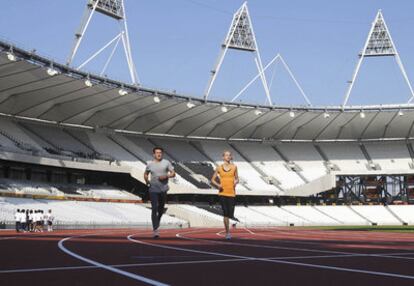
(160, 170)
(28, 220)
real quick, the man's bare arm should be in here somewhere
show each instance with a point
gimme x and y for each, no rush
(146, 177)
(171, 174)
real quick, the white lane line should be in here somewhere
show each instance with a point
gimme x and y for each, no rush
(86, 267)
(316, 256)
(23, 270)
(63, 268)
(5, 238)
(270, 246)
(381, 255)
(104, 266)
(399, 253)
(384, 255)
(317, 266)
(371, 236)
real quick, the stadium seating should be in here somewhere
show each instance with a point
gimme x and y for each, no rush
(377, 215)
(267, 216)
(262, 166)
(404, 212)
(348, 157)
(16, 138)
(23, 187)
(279, 214)
(246, 171)
(390, 156)
(306, 157)
(250, 217)
(195, 216)
(87, 213)
(311, 214)
(343, 214)
(59, 138)
(265, 158)
(183, 151)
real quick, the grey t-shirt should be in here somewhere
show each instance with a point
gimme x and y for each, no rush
(157, 169)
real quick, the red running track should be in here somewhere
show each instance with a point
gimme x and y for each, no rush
(273, 256)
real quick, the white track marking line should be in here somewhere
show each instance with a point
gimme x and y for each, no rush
(104, 266)
(315, 256)
(399, 253)
(318, 266)
(68, 268)
(117, 265)
(6, 238)
(382, 255)
(315, 234)
(44, 269)
(269, 246)
(187, 249)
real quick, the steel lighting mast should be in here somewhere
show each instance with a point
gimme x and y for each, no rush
(239, 37)
(114, 9)
(379, 43)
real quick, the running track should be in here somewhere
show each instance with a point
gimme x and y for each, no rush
(275, 256)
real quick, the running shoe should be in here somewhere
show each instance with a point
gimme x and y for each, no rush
(228, 236)
(156, 234)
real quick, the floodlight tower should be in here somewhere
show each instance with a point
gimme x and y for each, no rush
(114, 9)
(378, 44)
(239, 37)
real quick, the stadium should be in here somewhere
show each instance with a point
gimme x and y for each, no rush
(325, 194)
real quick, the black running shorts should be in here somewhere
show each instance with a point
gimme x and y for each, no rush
(227, 204)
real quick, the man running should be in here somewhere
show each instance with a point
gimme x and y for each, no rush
(229, 178)
(160, 170)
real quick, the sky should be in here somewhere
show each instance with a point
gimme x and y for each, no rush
(175, 44)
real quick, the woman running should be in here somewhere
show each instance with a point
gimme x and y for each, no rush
(229, 178)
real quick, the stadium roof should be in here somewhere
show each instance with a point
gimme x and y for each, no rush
(33, 87)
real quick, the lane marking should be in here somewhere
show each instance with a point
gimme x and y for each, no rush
(317, 266)
(382, 255)
(105, 266)
(63, 268)
(6, 238)
(345, 235)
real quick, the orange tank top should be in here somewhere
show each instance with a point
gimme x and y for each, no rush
(227, 180)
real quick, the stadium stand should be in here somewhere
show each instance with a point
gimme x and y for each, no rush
(343, 214)
(348, 157)
(390, 156)
(87, 213)
(379, 215)
(24, 187)
(404, 212)
(61, 139)
(249, 217)
(247, 173)
(268, 216)
(276, 213)
(16, 139)
(195, 216)
(306, 157)
(267, 159)
(311, 214)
